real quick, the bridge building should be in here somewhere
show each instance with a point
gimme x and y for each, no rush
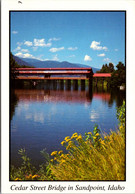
(56, 73)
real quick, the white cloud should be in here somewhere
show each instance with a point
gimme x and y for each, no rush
(53, 39)
(72, 48)
(101, 55)
(41, 42)
(24, 55)
(53, 50)
(27, 55)
(17, 49)
(116, 49)
(87, 58)
(28, 43)
(21, 50)
(19, 43)
(107, 60)
(105, 48)
(37, 43)
(96, 46)
(14, 32)
(25, 50)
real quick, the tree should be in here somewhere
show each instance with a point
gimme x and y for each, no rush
(13, 64)
(119, 75)
(107, 68)
(111, 68)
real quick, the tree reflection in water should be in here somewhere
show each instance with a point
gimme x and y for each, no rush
(13, 103)
(68, 90)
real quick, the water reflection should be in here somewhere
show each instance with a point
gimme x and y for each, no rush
(42, 115)
(13, 103)
(72, 96)
(53, 96)
(65, 91)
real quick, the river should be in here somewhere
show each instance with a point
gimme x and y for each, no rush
(43, 115)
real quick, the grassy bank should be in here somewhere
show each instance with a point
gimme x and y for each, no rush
(94, 156)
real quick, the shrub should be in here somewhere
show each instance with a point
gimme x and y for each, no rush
(26, 171)
(92, 158)
(121, 116)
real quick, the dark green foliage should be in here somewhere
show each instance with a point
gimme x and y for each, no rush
(13, 104)
(107, 68)
(94, 137)
(25, 169)
(26, 165)
(118, 77)
(111, 67)
(45, 155)
(13, 63)
(121, 116)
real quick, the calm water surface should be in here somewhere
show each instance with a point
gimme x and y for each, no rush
(42, 116)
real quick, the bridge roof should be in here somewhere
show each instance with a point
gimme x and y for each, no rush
(68, 68)
(102, 75)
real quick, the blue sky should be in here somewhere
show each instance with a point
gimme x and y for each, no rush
(91, 38)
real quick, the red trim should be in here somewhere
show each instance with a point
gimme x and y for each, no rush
(36, 69)
(102, 75)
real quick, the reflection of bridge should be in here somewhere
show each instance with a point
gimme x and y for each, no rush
(57, 73)
(53, 96)
(35, 95)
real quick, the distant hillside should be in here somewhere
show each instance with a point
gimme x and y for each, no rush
(50, 64)
(21, 62)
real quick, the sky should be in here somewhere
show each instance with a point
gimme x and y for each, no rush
(90, 38)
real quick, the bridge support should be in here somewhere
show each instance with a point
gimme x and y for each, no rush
(91, 81)
(75, 84)
(47, 84)
(68, 84)
(61, 84)
(82, 84)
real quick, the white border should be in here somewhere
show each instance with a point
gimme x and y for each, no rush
(126, 5)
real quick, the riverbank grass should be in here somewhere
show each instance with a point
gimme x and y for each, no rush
(92, 158)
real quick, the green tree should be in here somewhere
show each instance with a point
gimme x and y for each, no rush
(111, 68)
(107, 68)
(119, 75)
(13, 64)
